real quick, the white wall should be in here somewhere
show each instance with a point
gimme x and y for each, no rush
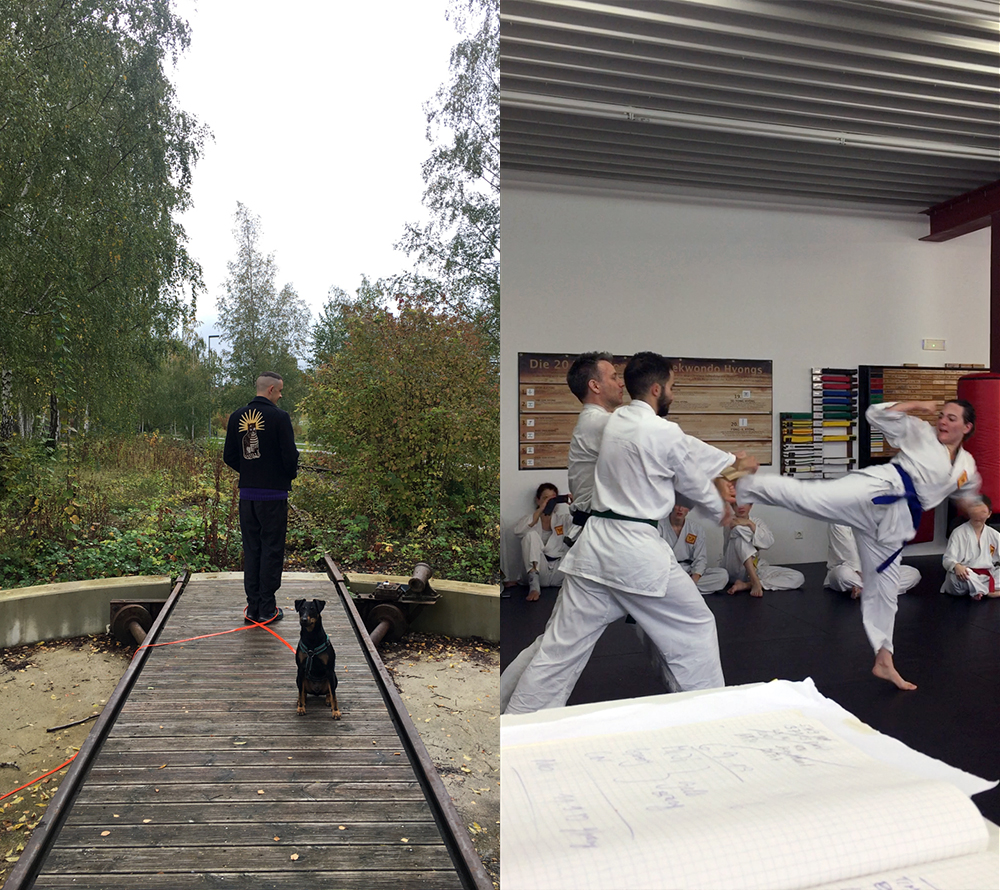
(589, 269)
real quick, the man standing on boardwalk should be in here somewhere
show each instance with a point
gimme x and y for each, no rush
(260, 446)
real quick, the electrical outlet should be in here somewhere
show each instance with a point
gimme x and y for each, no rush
(798, 535)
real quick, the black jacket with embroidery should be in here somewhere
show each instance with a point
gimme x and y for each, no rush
(260, 446)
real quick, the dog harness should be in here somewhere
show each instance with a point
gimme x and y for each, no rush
(912, 501)
(312, 653)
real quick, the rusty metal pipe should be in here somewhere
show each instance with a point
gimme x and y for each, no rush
(379, 633)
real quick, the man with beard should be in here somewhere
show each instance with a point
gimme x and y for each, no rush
(620, 565)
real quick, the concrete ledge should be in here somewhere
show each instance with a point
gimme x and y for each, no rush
(75, 608)
(463, 610)
(70, 609)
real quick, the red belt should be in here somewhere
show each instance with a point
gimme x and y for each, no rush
(988, 574)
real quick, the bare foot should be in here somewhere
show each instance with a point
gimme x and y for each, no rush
(855, 593)
(738, 587)
(533, 595)
(886, 670)
(993, 594)
(977, 596)
(756, 590)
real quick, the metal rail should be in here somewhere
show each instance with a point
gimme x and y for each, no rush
(42, 838)
(456, 837)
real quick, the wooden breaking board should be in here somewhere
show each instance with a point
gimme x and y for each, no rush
(725, 402)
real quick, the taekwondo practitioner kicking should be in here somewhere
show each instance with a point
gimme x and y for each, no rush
(972, 559)
(884, 504)
(620, 565)
(745, 537)
(542, 546)
(686, 538)
(843, 565)
(595, 381)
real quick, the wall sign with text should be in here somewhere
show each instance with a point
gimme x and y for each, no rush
(725, 402)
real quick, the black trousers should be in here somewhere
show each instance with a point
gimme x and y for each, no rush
(263, 525)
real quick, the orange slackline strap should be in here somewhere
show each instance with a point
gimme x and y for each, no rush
(150, 646)
(217, 634)
(39, 779)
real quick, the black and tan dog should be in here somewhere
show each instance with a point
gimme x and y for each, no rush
(315, 657)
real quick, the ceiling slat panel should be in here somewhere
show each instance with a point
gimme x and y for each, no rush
(894, 101)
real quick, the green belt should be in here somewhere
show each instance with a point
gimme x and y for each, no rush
(610, 514)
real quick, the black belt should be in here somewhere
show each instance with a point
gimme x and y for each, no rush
(610, 514)
(580, 517)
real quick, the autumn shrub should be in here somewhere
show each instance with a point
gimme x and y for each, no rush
(126, 506)
(409, 408)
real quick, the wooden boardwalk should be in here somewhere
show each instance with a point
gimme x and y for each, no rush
(209, 778)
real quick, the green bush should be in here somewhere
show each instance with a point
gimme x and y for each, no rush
(147, 505)
(409, 408)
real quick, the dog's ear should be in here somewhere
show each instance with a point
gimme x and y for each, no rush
(319, 604)
(299, 604)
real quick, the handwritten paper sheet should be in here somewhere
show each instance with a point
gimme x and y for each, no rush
(772, 800)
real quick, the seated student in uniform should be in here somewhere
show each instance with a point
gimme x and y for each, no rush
(687, 539)
(843, 564)
(972, 558)
(542, 544)
(744, 536)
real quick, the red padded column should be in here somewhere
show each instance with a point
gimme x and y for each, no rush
(983, 390)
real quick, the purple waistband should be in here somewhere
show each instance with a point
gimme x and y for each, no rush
(263, 494)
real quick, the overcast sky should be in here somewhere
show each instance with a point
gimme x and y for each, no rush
(316, 112)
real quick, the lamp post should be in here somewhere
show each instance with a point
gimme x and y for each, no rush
(211, 380)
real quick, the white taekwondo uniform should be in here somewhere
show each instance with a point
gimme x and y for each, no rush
(740, 544)
(843, 565)
(982, 553)
(880, 529)
(692, 553)
(545, 548)
(584, 447)
(620, 567)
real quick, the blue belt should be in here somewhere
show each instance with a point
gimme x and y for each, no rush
(912, 501)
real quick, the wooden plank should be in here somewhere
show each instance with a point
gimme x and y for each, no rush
(100, 858)
(338, 811)
(725, 399)
(548, 397)
(546, 427)
(725, 427)
(208, 834)
(170, 774)
(319, 788)
(417, 879)
(544, 456)
(252, 753)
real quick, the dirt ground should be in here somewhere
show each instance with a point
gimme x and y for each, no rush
(450, 686)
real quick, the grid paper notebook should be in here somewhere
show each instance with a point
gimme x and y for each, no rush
(770, 801)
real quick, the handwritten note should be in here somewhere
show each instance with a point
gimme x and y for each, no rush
(768, 800)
